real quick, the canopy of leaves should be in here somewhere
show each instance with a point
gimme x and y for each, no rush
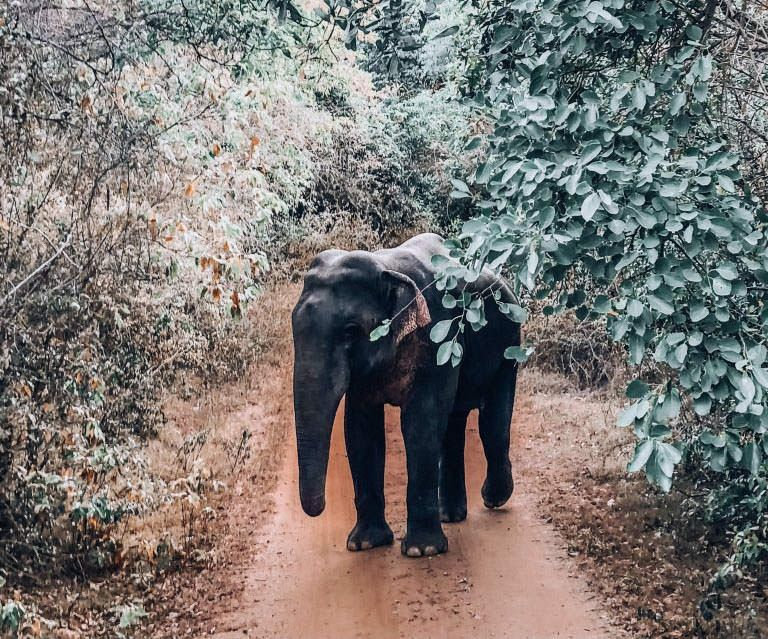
(605, 165)
(611, 185)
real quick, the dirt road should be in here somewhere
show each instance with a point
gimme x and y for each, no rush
(504, 574)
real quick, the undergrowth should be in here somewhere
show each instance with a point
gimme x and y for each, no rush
(151, 183)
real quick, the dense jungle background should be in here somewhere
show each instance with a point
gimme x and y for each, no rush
(170, 166)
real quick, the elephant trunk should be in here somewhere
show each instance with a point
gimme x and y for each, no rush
(316, 395)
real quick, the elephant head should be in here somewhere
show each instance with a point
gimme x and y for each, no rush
(346, 295)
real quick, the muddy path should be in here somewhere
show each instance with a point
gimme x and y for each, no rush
(505, 574)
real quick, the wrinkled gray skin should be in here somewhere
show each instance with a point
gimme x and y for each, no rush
(346, 295)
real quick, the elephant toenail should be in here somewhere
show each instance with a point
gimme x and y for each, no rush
(430, 550)
(365, 545)
(352, 545)
(413, 551)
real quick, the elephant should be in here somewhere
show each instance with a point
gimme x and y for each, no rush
(347, 294)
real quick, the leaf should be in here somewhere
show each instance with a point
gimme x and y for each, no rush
(702, 405)
(626, 260)
(473, 315)
(637, 389)
(726, 183)
(447, 32)
(590, 205)
(627, 416)
(440, 330)
(667, 456)
(703, 67)
(669, 407)
(728, 271)
(747, 388)
(533, 263)
(654, 472)
(694, 32)
(698, 312)
(661, 305)
(518, 353)
(677, 103)
(380, 331)
(444, 353)
(752, 458)
(516, 313)
(636, 348)
(460, 186)
(721, 287)
(761, 376)
(643, 452)
(635, 308)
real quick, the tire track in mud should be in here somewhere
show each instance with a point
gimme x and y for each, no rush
(504, 574)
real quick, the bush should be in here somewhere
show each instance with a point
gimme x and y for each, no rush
(157, 153)
(609, 181)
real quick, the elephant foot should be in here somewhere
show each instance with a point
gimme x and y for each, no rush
(366, 536)
(424, 544)
(496, 491)
(453, 512)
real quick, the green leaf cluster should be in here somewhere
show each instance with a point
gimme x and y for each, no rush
(604, 167)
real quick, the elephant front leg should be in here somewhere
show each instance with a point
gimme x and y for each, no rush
(366, 447)
(423, 427)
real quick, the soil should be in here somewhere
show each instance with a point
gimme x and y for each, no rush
(581, 549)
(504, 575)
(280, 573)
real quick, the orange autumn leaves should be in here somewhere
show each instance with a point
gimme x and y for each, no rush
(217, 268)
(227, 274)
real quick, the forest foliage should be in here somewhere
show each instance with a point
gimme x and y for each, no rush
(623, 180)
(159, 158)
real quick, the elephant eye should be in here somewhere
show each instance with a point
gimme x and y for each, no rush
(352, 331)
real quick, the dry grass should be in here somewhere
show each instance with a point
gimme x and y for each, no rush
(581, 350)
(260, 405)
(200, 461)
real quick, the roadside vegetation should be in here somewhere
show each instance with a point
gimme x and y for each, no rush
(161, 162)
(167, 163)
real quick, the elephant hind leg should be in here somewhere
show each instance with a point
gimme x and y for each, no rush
(452, 491)
(494, 422)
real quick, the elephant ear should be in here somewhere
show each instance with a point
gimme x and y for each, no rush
(408, 308)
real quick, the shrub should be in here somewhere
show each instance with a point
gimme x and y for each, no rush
(157, 153)
(606, 175)
(611, 182)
